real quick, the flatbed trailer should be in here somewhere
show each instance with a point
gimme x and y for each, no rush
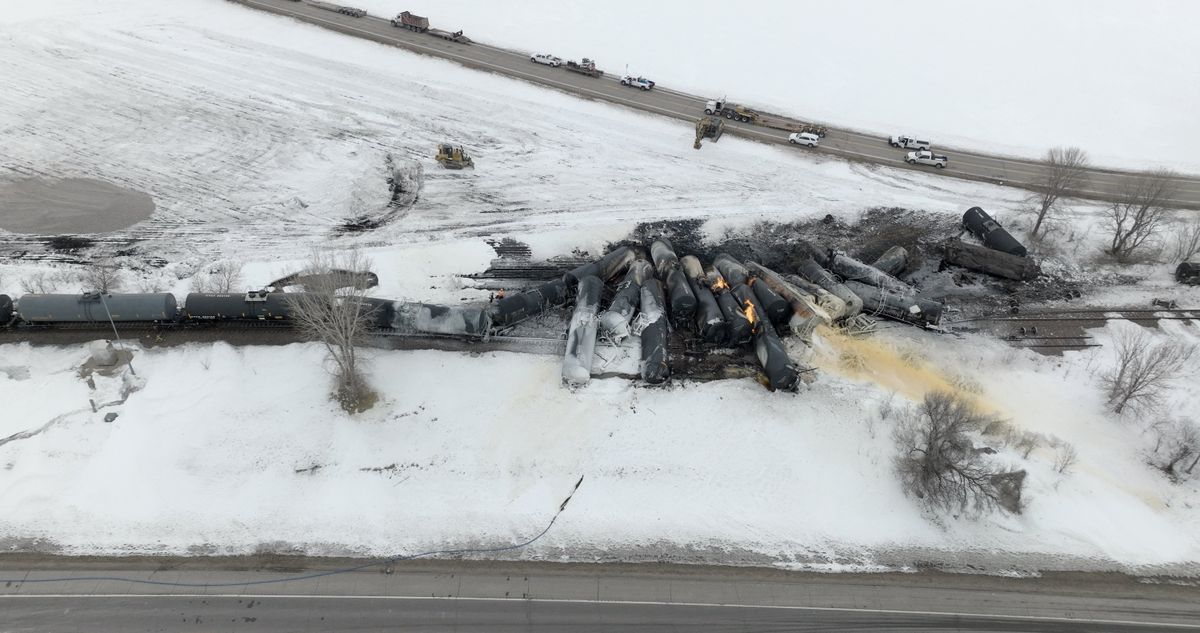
(586, 67)
(456, 36)
(353, 12)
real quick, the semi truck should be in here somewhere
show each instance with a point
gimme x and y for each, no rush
(720, 107)
(419, 24)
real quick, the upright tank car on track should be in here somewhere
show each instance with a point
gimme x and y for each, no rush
(256, 305)
(94, 307)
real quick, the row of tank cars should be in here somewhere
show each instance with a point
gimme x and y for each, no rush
(49, 310)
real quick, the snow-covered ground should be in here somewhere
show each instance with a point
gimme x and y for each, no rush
(1012, 77)
(253, 132)
(258, 136)
(229, 450)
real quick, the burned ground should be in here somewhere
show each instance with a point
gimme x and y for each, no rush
(782, 245)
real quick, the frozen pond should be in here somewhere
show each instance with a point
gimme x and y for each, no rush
(70, 205)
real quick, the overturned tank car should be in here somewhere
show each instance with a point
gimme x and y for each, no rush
(977, 222)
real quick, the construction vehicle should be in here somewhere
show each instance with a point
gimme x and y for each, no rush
(411, 21)
(708, 127)
(731, 111)
(812, 128)
(453, 157)
(414, 22)
(585, 67)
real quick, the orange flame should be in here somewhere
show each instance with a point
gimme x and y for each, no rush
(748, 310)
(720, 284)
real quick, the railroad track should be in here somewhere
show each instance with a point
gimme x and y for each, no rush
(1106, 314)
(1056, 331)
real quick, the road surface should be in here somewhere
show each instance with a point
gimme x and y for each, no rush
(219, 594)
(845, 143)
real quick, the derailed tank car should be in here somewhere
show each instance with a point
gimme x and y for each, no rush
(6, 309)
(518, 307)
(93, 307)
(381, 313)
(977, 222)
(428, 318)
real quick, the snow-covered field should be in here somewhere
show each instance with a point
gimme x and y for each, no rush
(253, 132)
(229, 450)
(258, 136)
(1013, 77)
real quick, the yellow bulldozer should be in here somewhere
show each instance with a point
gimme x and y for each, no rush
(454, 157)
(708, 127)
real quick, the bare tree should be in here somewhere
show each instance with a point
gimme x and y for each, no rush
(1063, 169)
(1139, 211)
(939, 464)
(40, 282)
(1177, 449)
(1144, 369)
(224, 276)
(334, 309)
(102, 276)
(1187, 241)
(1024, 442)
(1065, 457)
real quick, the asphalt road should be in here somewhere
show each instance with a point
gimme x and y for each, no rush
(197, 594)
(841, 142)
(125, 614)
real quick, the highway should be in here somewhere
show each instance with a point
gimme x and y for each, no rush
(841, 142)
(206, 594)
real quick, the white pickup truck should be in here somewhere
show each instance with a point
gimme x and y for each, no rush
(547, 59)
(908, 142)
(637, 82)
(926, 157)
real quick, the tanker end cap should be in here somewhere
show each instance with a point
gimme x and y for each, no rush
(576, 375)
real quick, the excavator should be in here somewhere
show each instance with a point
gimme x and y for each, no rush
(708, 127)
(453, 157)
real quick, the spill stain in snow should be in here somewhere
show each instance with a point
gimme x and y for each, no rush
(875, 361)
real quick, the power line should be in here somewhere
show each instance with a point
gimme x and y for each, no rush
(114, 329)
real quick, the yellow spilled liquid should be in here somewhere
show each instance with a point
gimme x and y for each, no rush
(869, 359)
(905, 372)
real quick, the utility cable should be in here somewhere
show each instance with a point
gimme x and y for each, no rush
(322, 574)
